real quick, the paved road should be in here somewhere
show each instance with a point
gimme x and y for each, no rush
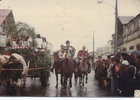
(33, 88)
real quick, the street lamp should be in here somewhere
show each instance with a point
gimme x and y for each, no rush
(116, 25)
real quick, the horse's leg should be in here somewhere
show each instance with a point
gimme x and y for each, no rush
(75, 76)
(65, 81)
(80, 80)
(83, 78)
(18, 87)
(86, 77)
(70, 81)
(56, 80)
(61, 79)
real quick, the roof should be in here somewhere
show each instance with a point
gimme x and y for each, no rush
(125, 19)
(3, 14)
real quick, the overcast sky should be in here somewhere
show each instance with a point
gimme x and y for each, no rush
(74, 20)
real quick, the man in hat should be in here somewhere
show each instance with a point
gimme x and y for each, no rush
(84, 52)
(70, 48)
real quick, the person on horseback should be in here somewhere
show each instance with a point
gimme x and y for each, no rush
(81, 53)
(60, 55)
(70, 48)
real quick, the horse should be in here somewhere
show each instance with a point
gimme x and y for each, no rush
(83, 70)
(15, 69)
(57, 67)
(67, 68)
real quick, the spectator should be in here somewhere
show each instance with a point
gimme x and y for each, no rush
(131, 48)
(14, 42)
(138, 46)
(39, 41)
(9, 43)
(30, 41)
(123, 81)
(20, 43)
(115, 76)
(104, 73)
(99, 71)
(109, 75)
(24, 42)
(44, 45)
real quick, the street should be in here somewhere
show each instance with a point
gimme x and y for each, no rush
(33, 88)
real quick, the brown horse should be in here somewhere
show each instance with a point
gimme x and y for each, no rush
(83, 70)
(67, 68)
(57, 68)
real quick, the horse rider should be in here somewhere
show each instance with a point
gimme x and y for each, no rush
(60, 54)
(81, 53)
(70, 48)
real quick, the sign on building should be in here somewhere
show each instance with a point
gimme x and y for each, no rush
(2, 41)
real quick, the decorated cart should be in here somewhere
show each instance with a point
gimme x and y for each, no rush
(22, 39)
(40, 61)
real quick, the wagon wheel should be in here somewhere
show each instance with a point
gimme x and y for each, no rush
(43, 77)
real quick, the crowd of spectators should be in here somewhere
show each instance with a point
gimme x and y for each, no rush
(120, 73)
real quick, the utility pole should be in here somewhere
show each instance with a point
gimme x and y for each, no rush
(93, 47)
(116, 29)
(116, 24)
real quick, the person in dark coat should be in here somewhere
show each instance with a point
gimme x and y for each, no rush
(123, 82)
(99, 71)
(137, 86)
(131, 74)
(114, 77)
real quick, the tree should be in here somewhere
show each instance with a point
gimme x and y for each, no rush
(20, 29)
(23, 29)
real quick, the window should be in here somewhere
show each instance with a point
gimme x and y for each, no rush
(126, 31)
(132, 27)
(139, 23)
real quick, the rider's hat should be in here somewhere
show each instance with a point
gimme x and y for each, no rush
(67, 42)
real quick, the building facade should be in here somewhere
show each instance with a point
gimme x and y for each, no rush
(128, 33)
(6, 24)
(131, 33)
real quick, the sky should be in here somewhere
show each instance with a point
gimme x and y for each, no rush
(73, 20)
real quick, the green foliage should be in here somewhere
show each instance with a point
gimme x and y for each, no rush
(39, 60)
(43, 60)
(20, 29)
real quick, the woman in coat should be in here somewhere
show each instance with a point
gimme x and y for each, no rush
(123, 83)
